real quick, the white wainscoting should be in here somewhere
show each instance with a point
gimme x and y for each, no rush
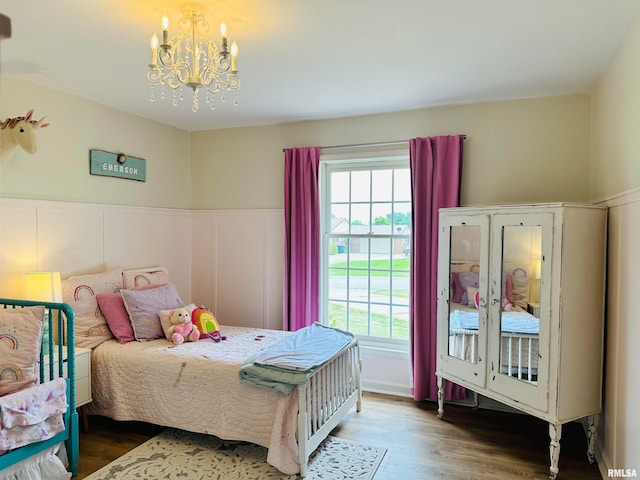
(238, 258)
(79, 238)
(619, 436)
(229, 260)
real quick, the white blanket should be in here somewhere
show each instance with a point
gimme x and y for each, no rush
(290, 361)
(515, 321)
(32, 414)
(196, 387)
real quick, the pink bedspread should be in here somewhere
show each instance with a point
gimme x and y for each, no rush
(32, 414)
(196, 387)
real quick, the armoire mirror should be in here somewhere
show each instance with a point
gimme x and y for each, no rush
(519, 313)
(464, 296)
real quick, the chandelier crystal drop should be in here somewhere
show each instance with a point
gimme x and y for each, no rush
(191, 59)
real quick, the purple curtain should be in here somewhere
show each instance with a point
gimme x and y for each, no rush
(302, 237)
(436, 168)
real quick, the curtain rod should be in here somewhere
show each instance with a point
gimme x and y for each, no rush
(379, 144)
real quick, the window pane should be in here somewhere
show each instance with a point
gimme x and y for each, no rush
(360, 186)
(381, 213)
(380, 320)
(380, 288)
(340, 187)
(360, 213)
(359, 285)
(339, 218)
(400, 322)
(380, 248)
(400, 288)
(338, 248)
(359, 318)
(400, 267)
(338, 315)
(401, 218)
(337, 284)
(359, 262)
(402, 184)
(358, 252)
(382, 183)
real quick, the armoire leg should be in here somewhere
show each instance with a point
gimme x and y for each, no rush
(592, 435)
(555, 433)
(440, 396)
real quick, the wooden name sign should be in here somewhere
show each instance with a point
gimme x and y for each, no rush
(117, 165)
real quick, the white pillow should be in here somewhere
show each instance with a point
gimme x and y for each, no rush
(473, 296)
(465, 266)
(142, 279)
(519, 282)
(80, 292)
(20, 341)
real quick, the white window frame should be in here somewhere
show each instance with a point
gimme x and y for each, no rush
(349, 159)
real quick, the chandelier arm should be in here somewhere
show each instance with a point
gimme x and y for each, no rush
(167, 57)
(154, 75)
(233, 82)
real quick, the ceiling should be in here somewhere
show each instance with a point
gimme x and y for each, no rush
(314, 59)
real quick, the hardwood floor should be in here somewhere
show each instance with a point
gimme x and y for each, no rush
(107, 440)
(466, 444)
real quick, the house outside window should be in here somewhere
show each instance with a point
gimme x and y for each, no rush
(366, 234)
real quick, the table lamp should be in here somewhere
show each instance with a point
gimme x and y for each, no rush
(45, 287)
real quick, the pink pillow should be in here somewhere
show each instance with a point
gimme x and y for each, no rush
(115, 313)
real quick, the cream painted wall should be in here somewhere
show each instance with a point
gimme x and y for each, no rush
(533, 150)
(59, 170)
(519, 151)
(615, 176)
(615, 161)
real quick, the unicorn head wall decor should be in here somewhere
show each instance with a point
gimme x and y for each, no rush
(19, 131)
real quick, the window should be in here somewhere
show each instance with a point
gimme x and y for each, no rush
(366, 215)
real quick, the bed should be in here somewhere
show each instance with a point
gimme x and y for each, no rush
(39, 422)
(196, 386)
(519, 340)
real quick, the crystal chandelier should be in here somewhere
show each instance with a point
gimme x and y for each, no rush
(191, 59)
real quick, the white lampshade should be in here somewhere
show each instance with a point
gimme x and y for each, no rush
(538, 269)
(43, 287)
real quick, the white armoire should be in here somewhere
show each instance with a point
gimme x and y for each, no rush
(521, 293)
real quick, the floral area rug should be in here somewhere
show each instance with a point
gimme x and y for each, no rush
(179, 455)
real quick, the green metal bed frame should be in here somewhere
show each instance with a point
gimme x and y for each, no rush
(55, 316)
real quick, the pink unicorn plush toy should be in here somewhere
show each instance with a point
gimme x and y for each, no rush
(19, 132)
